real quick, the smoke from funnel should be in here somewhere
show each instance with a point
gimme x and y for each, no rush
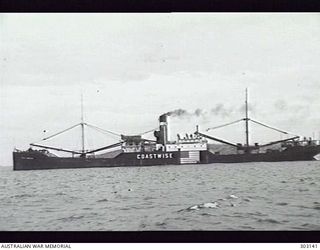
(178, 113)
(198, 112)
(251, 108)
(218, 110)
(182, 113)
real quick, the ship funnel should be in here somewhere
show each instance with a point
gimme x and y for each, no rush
(163, 118)
(163, 125)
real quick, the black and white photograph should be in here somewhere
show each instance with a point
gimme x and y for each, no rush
(160, 122)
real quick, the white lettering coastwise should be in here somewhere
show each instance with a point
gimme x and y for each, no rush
(154, 156)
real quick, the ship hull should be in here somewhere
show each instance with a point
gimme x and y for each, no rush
(292, 154)
(36, 160)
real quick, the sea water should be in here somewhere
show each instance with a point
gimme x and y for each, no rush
(247, 196)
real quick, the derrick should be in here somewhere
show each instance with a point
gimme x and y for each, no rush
(246, 119)
(84, 152)
(215, 139)
(56, 149)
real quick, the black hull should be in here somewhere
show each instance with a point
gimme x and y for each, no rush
(298, 153)
(35, 160)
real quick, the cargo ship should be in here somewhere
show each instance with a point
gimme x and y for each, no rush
(134, 150)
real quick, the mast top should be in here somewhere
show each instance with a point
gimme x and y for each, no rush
(247, 119)
(82, 119)
(82, 125)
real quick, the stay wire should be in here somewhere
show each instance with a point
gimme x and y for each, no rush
(102, 130)
(146, 132)
(264, 125)
(65, 130)
(224, 125)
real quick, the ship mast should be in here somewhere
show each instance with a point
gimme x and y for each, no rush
(83, 152)
(82, 126)
(246, 147)
(247, 121)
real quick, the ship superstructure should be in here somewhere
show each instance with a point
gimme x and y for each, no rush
(134, 150)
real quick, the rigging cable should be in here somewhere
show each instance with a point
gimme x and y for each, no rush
(60, 132)
(224, 125)
(281, 131)
(102, 130)
(149, 131)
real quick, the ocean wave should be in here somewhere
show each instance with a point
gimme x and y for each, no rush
(270, 220)
(71, 218)
(102, 200)
(282, 204)
(22, 196)
(316, 207)
(58, 201)
(228, 201)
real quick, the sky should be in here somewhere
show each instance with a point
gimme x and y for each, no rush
(131, 68)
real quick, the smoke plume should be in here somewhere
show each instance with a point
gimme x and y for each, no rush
(218, 110)
(242, 108)
(178, 113)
